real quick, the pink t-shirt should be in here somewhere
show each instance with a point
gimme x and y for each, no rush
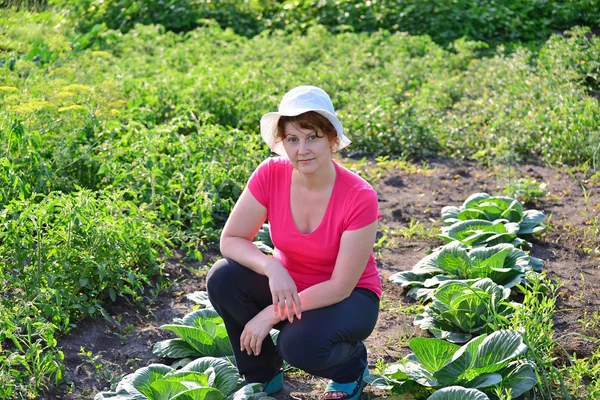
(310, 258)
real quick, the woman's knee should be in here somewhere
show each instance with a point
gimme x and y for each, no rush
(295, 349)
(302, 349)
(219, 278)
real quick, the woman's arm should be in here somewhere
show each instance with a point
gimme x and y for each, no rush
(355, 249)
(242, 225)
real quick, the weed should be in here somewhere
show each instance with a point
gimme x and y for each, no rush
(108, 373)
(535, 320)
(124, 331)
(590, 324)
(581, 376)
(526, 190)
(395, 307)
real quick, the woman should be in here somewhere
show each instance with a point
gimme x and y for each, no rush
(321, 288)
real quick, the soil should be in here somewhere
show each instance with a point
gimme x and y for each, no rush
(567, 249)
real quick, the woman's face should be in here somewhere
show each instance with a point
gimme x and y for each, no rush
(308, 151)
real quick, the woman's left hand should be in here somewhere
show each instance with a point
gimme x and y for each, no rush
(256, 330)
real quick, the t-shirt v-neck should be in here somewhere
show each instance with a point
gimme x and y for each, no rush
(327, 209)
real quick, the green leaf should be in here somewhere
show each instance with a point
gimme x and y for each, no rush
(472, 213)
(454, 258)
(201, 340)
(197, 318)
(536, 264)
(408, 278)
(432, 353)
(143, 378)
(163, 390)
(531, 219)
(199, 394)
(445, 295)
(497, 349)
(396, 371)
(458, 393)
(112, 293)
(484, 380)
(495, 260)
(226, 374)
(175, 348)
(187, 376)
(200, 297)
(475, 199)
(461, 362)
(473, 231)
(520, 376)
(449, 214)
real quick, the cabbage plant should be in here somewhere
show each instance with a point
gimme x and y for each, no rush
(504, 264)
(484, 363)
(201, 333)
(482, 206)
(206, 378)
(479, 232)
(459, 311)
(200, 297)
(263, 240)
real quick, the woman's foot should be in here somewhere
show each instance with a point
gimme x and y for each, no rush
(272, 386)
(345, 391)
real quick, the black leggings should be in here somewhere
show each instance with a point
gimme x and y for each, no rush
(326, 342)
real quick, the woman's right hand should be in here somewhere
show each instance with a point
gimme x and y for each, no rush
(286, 301)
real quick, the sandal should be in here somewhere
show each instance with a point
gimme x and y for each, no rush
(352, 390)
(274, 385)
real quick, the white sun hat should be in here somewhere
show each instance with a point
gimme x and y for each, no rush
(297, 101)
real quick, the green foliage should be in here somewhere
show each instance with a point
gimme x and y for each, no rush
(94, 246)
(61, 258)
(482, 232)
(503, 263)
(483, 363)
(459, 311)
(109, 140)
(263, 240)
(205, 378)
(174, 15)
(189, 173)
(31, 361)
(201, 333)
(536, 320)
(482, 206)
(508, 103)
(445, 20)
(458, 393)
(527, 190)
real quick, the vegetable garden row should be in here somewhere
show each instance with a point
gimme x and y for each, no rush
(466, 285)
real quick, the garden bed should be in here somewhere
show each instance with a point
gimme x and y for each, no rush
(410, 202)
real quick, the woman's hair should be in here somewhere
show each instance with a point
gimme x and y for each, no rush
(309, 120)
